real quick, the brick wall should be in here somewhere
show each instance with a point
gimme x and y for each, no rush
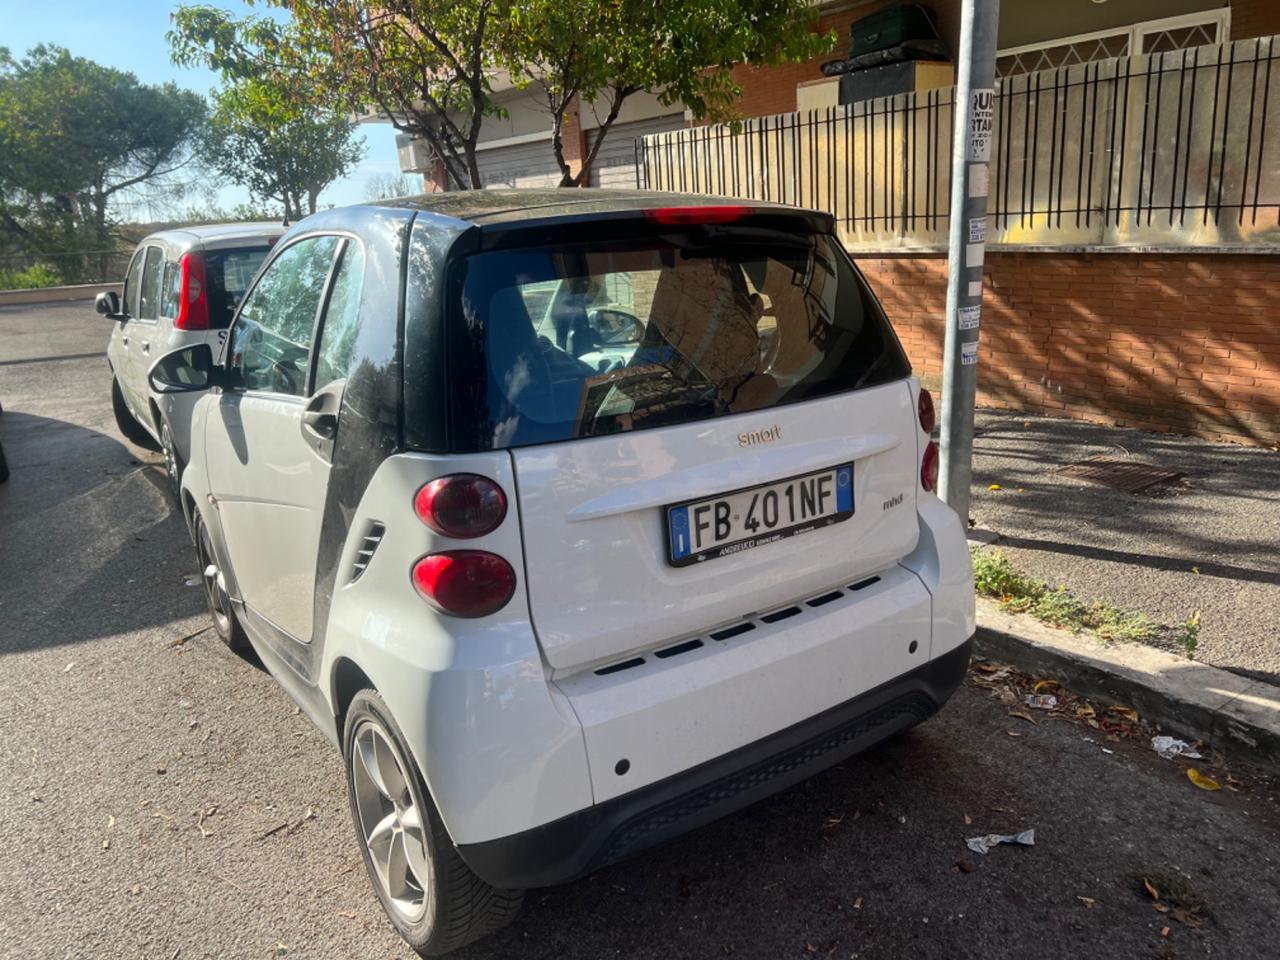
(1254, 18)
(1165, 342)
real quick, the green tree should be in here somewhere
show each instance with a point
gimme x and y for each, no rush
(424, 64)
(604, 51)
(428, 65)
(277, 147)
(78, 139)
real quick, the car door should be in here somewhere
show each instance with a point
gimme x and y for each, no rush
(269, 442)
(140, 329)
(119, 351)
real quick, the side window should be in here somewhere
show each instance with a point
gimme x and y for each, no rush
(131, 282)
(341, 319)
(170, 290)
(149, 288)
(271, 338)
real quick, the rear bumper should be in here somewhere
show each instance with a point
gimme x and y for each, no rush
(618, 828)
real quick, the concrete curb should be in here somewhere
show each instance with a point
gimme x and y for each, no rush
(80, 291)
(1192, 699)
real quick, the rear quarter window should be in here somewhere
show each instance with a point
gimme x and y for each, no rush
(228, 274)
(553, 343)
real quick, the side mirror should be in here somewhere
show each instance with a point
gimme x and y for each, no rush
(188, 370)
(107, 303)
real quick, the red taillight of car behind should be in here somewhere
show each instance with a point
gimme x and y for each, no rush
(929, 468)
(465, 583)
(925, 408)
(193, 300)
(461, 505)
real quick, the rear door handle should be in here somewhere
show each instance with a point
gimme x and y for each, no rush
(146, 346)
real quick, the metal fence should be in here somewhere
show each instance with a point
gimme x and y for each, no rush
(80, 266)
(1171, 149)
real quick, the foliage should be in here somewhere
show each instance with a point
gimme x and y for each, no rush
(604, 51)
(994, 575)
(425, 64)
(429, 65)
(384, 186)
(36, 275)
(1191, 635)
(281, 149)
(240, 213)
(77, 140)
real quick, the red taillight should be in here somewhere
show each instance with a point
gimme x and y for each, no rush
(462, 505)
(465, 583)
(929, 468)
(193, 302)
(686, 216)
(928, 416)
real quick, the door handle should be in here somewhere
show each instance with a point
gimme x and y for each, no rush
(323, 425)
(320, 420)
(146, 346)
(124, 341)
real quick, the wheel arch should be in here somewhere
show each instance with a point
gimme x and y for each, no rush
(346, 679)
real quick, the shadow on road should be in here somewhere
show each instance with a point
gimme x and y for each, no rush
(91, 545)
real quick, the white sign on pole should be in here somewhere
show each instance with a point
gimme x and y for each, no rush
(969, 352)
(979, 180)
(969, 317)
(981, 124)
(978, 230)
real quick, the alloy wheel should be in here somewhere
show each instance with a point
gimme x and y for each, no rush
(391, 821)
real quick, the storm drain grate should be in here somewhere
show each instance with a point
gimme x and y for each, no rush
(1129, 476)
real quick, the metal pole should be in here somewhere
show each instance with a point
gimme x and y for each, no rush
(974, 111)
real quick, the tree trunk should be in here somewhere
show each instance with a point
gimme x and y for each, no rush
(312, 195)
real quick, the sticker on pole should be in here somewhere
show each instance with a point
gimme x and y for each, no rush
(981, 123)
(969, 352)
(978, 230)
(969, 317)
(975, 289)
(973, 254)
(979, 180)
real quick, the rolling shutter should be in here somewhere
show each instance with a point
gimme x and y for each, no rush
(615, 165)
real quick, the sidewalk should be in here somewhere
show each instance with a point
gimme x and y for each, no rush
(1142, 551)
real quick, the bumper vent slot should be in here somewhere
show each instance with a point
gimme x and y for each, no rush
(368, 545)
(677, 649)
(728, 633)
(620, 666)
(781, 614)
(738, 629)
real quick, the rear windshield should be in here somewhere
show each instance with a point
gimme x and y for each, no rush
(585, 340)
(227, 274)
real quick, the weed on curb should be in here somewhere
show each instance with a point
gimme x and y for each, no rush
(994, 575)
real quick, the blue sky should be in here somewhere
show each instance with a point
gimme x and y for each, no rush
(130, 35)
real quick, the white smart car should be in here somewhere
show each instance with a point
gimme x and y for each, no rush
(575, 519)
(182, 288)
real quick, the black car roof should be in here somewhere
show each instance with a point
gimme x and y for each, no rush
(508, 207)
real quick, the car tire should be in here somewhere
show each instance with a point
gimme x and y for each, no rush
(402, 838)
(216, 597)
(172, 462)
(128, 425)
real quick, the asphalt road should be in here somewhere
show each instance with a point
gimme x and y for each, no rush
(1205, 543)
(146, 773)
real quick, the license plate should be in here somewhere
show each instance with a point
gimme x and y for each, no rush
(716, 527)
